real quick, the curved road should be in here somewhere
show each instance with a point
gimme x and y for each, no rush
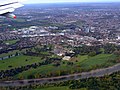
(93, 73)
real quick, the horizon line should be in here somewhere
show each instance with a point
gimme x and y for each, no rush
(74, 2)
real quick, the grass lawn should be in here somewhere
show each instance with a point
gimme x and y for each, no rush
(11, 52)
(84, 62)
(43, 70)
(59, 88)
(18, 61)
(10, 42)
(55, 88)
(96, 60)
(82, 58)
(20, 20)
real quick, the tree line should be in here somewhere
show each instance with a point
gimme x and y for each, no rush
(107, 82)
(94, 50)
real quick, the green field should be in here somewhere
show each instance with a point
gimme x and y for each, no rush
(20, 20)
(10, 42)
(18, 61)
(87, 62)
(43, 70)
(54, 88)
(59, 88)
(12, 52)
(84, 62)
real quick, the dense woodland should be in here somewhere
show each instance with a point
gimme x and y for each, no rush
(106, 49)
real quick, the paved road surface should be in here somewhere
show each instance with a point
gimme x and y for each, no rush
(93, 73)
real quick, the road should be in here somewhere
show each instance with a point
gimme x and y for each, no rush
(93, 73)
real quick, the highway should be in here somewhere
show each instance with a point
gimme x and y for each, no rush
(93, 73)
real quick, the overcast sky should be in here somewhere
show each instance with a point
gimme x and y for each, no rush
(55, 1)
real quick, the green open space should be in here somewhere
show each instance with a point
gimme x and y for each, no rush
(87, 62)
(60, 88)
(20, 20)
(18, 61)
(44, 70)
(12, 52)
(55, 88)
(10, 42)
(84, 62)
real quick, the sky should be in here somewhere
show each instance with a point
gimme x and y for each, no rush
(57, 1)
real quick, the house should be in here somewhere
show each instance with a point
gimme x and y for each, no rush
(66, 58)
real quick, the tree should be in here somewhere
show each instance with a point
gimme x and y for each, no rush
(116, 53)
(91, 54)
